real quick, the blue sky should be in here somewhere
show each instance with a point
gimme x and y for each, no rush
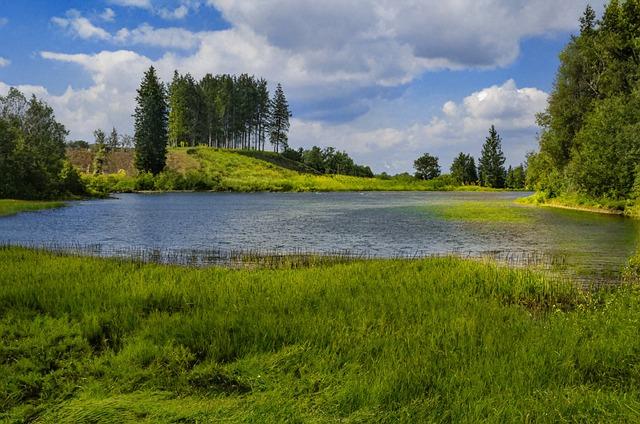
(385, 80)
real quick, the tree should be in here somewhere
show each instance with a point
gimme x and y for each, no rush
(427, 167)
(279, 125)
(463, 169)
(32, 148)
(113, 141)
(515, 177)
(491, 165)
(101, 152)
(178, 123)
(151, 124)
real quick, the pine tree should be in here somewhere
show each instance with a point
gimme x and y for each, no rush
(491, 165)
(178, 114)
(114, 140)
(463, 169)
(151, 124)
(279, 125)
(101, 152)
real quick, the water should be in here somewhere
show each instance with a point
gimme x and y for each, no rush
(376, 224)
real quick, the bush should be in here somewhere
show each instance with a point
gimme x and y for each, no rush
(70, 180)
(144, 182)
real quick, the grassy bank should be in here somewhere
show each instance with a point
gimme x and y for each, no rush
(91, 340)
(583, 203)
(12, 207)
(205, 168)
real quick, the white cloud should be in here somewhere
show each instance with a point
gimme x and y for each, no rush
(143, 4)
(179, 12)
(176, 38)
(4, 62)
(108, 15)
(462, 126)
(80, 26)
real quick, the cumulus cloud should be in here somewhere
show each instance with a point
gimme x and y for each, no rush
(462, 126)
(108, 15)
(80, 26)
(4, 62)
(179, 12)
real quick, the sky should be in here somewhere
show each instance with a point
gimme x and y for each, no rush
(384, 80)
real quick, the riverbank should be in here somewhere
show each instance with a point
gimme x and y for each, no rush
(392, 341)
(12, 207)
(580, 203)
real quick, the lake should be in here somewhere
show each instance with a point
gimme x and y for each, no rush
(381, 224)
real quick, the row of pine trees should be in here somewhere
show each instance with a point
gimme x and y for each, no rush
(226, 111)
(221, 111)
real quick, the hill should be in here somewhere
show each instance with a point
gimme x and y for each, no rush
(204, 168)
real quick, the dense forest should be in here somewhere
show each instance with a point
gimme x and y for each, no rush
(226, 111)
(590, 138)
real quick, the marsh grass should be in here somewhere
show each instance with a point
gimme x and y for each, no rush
(501, 211)
(12, 207)
(443, 339)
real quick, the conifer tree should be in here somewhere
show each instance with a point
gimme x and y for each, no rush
(463, 169)
(178, 111)
(279, 125)
(491, 164)
(101, 152)
(151, 124)
(114, 140)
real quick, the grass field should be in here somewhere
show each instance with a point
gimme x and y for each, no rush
(438, 340)
(248, 171)
(12, 207)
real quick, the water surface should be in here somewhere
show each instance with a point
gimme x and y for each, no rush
(381, 224)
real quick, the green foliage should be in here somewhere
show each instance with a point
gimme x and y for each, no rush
(463, 169)
(516, 178)
(589, 142)
(90, 340)
(32, 148)
(71, 181)
(491, 164)
(101, 152)
(12, 207)
(426, 167)
(279, 122)
(151, 124)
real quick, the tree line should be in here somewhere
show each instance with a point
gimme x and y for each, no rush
(221, 111)
(590, 138)
(328, 161)
(490, 171)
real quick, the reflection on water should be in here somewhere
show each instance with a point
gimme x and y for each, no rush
(376, 224)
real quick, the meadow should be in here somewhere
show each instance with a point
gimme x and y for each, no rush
(433, 340)
(204, 168)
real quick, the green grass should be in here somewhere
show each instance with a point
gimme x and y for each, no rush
(584, 203)
(249, 171)
(495, 211)
(12, 207)
(447, 340)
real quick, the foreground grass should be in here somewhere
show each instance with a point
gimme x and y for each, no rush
(12, 207)
(447, 340)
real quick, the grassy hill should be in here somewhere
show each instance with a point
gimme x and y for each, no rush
(204, 168)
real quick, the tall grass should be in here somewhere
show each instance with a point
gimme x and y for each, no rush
(97, 340)
(12, 207)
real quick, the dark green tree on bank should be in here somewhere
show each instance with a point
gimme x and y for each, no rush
(279, 125)
(427, 167)
(491, 163)
(589, 142)
(516, 178)
(463, 169)
(151, 124)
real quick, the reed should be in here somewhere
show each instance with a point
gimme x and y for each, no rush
(398, 340)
